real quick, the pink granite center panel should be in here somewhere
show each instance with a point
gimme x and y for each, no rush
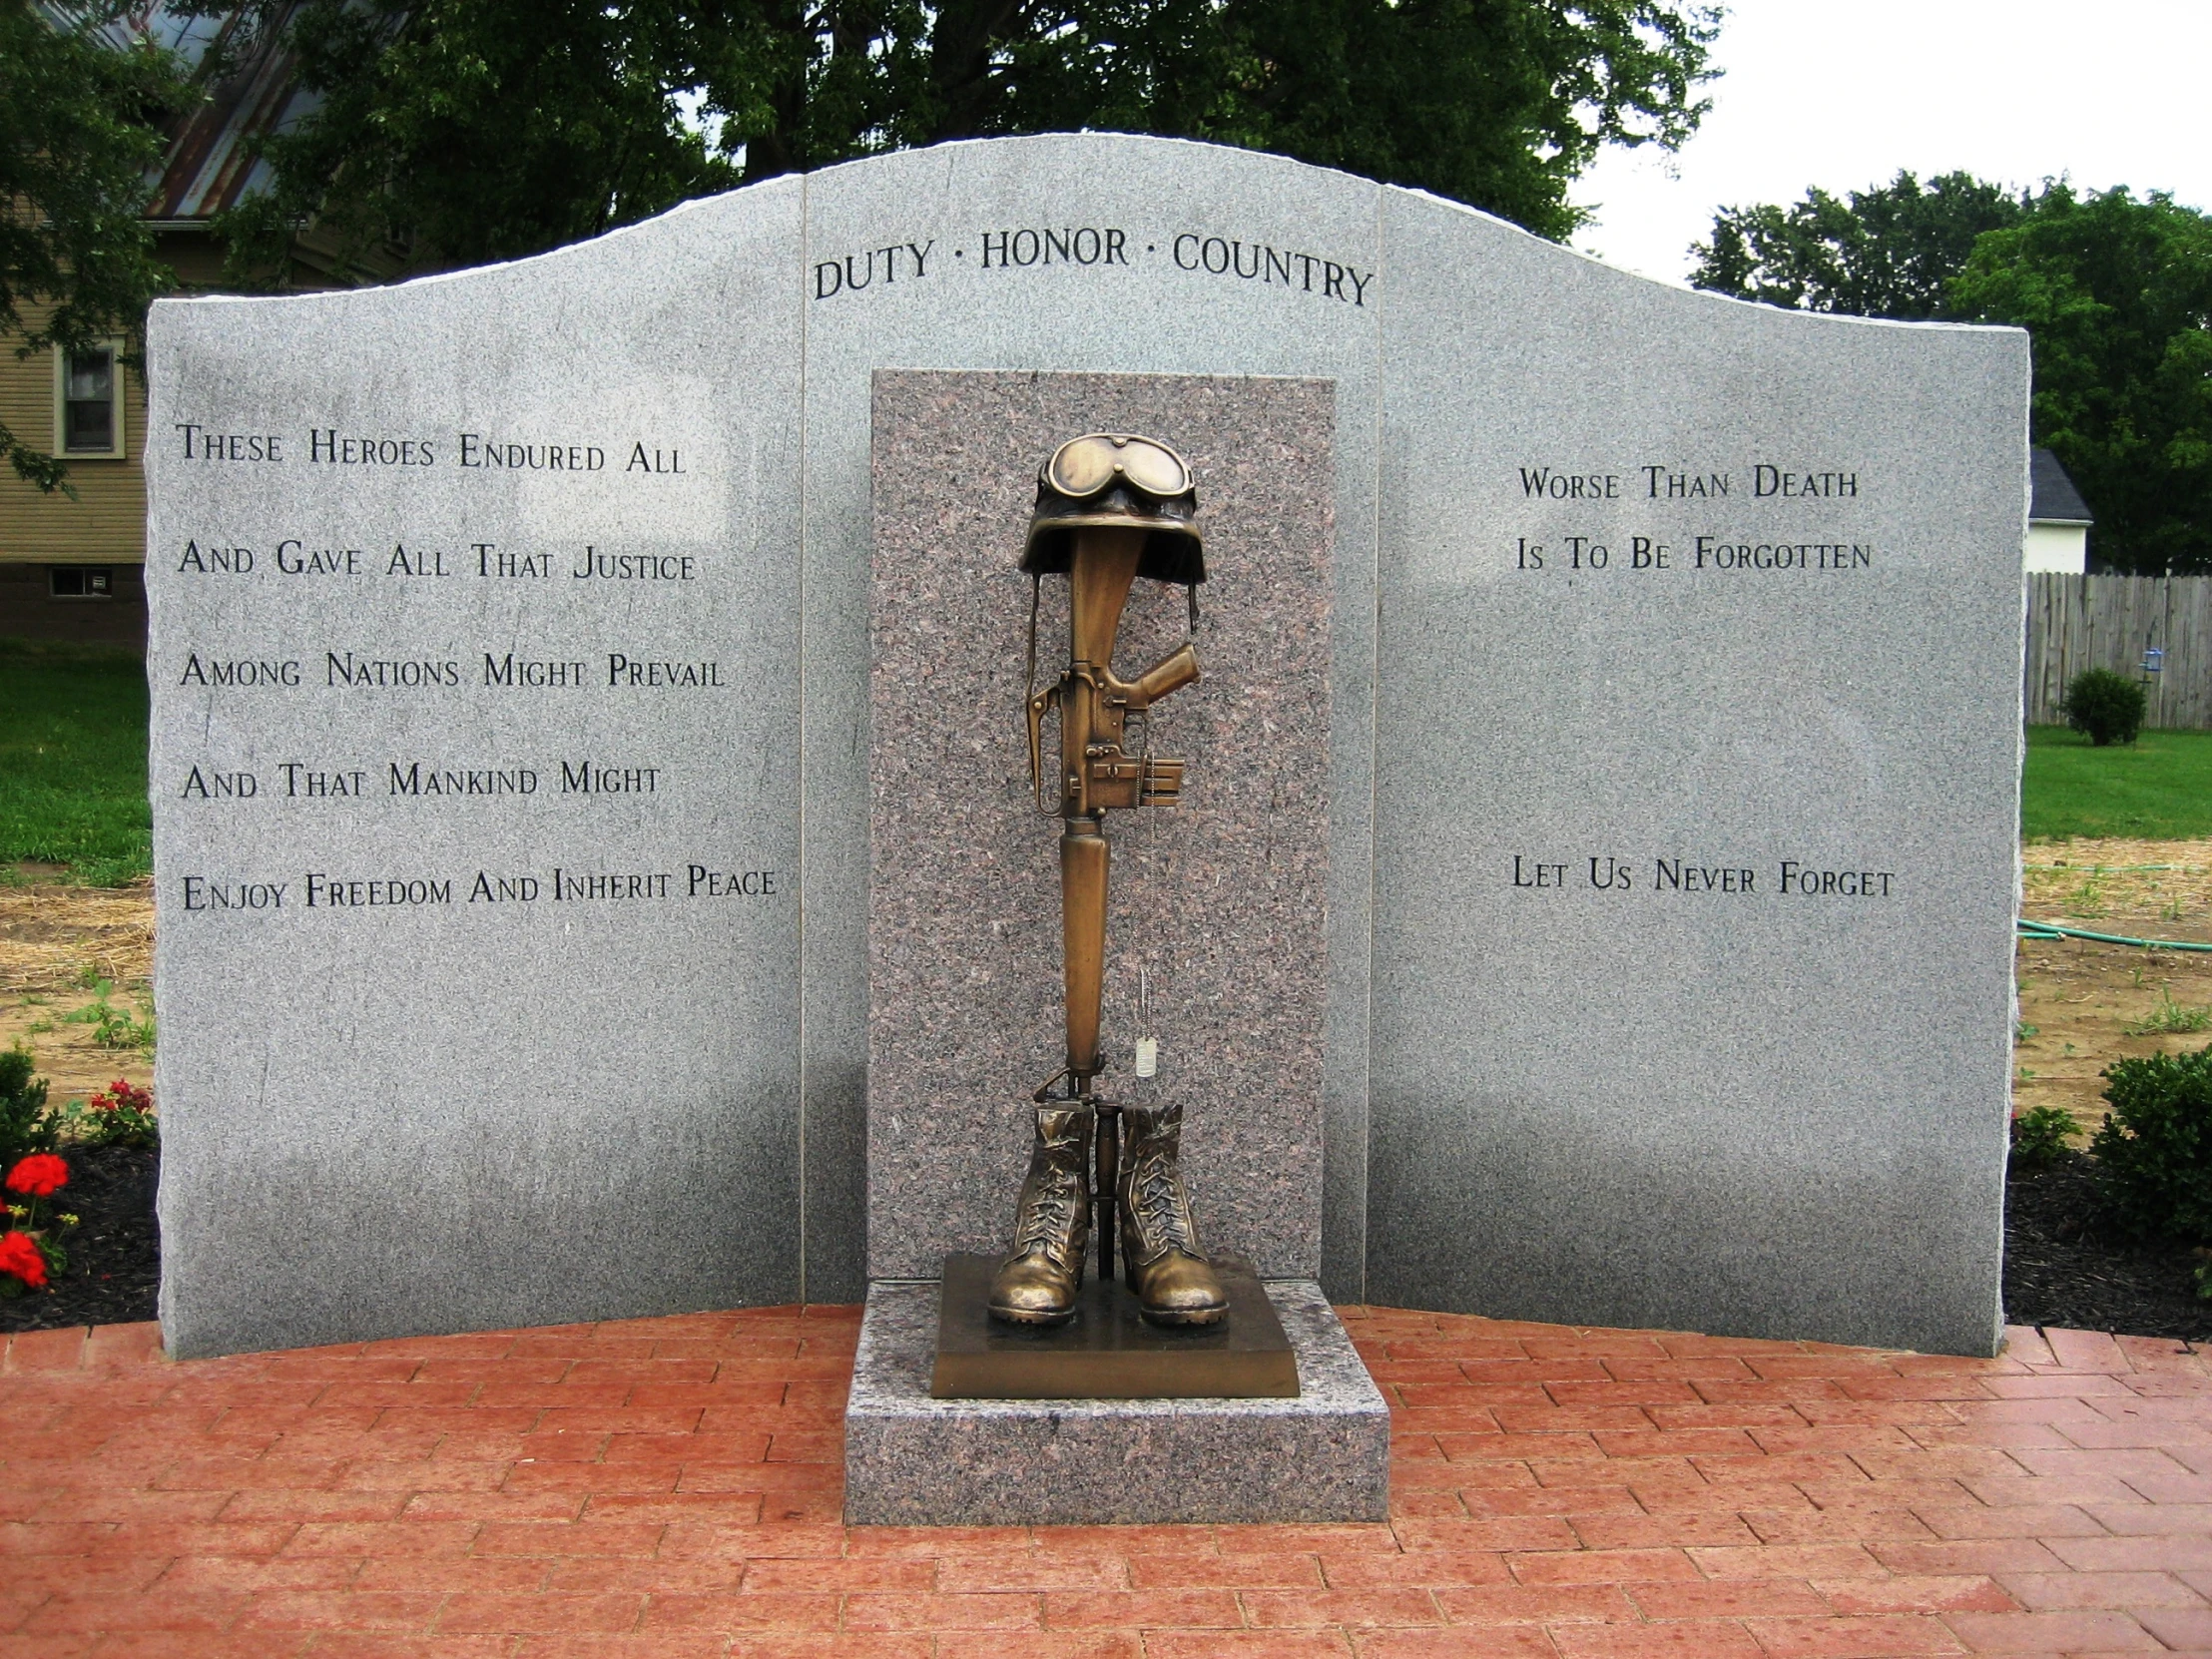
(1221, 900)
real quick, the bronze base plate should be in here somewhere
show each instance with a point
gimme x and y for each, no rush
(1108, 1352)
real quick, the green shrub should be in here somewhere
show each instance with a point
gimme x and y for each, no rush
(26, 1124)
(2040, 1133)
(2108, 706)
(2154, 1153)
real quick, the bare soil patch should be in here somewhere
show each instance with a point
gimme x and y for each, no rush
(2084, 1005)
(57, 942)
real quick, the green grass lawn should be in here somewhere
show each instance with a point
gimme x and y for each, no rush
(72, 761)
(2159, 786)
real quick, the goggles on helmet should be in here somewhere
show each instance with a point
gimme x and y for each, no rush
(1094, 464)
(1117, 480)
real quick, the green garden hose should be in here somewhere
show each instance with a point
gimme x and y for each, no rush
(2108, 869)
(2052, 930)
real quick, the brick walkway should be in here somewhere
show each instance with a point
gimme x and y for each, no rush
(670, 1487)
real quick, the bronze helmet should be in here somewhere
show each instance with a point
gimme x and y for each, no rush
(1117, 480)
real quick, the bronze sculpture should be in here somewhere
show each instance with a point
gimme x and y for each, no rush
(1110, 507)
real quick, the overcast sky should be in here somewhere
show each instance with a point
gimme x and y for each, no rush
(1843, 93)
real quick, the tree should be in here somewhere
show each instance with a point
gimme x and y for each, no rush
(2116, 295)
(474, 130)
(464, 131)
(80, 127)
(1889, 250)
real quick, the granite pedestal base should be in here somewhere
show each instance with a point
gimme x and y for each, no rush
(910, 1461)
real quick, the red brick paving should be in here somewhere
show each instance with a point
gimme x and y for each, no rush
(672, 1487)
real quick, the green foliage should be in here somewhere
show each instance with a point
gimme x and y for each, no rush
(2159, 786)
(2105, 707)
(27, 1123)
(461, 131)
(2041, 1135)
(2117, 296)
(480, 130)
(1891, 251)
(80, 128)
(72, 761)
(113, 1027)
(2115, 292)
(2169, 1018)
(2087, 901)
(2154, 1152)
(1497, 103)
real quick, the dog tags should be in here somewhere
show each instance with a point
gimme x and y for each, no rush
(1148, 1048)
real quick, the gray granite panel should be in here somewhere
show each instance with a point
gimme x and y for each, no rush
(1143, 311)
(1221, 901)
(506, 1101)
(1755, 1112)
(1740, 1111)
(910, 1461)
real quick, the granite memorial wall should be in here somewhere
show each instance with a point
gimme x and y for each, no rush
(517, 737)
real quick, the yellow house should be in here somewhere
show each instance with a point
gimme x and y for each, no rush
(73, 569)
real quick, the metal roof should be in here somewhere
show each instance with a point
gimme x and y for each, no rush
(2053, 498)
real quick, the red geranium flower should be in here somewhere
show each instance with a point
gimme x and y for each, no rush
(121, 1094)
(19, 1255)
(38, 1175)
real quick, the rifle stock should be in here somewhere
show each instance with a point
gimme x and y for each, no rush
(1096, 771)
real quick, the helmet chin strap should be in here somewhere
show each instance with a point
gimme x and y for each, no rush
(1029, 671)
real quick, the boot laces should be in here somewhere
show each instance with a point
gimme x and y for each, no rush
(1159, 1201)
(1050, 1216)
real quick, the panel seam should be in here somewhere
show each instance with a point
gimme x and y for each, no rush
(806, 1190)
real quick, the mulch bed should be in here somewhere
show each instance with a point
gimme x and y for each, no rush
(115, 1259)
(2060, 1268)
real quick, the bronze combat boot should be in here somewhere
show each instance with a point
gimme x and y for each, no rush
(1038, 1281)
(1160, 1250)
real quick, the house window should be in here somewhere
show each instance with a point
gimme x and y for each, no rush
(88, 404)
(80, 581)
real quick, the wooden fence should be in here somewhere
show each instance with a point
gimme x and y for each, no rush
(2081, 622)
